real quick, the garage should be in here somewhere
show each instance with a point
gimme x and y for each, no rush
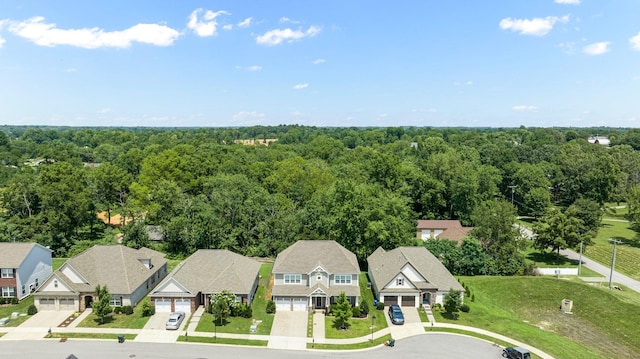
(390, 300)
(299, 304)
(283, 303)
(47, 304)
(163, 305)
(67, 304)
(408, 301)
(182, 305)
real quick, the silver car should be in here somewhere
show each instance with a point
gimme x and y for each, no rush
(175, 319)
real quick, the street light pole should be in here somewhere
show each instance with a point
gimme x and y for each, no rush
(513, 189)
(580, 260)
(613, 259)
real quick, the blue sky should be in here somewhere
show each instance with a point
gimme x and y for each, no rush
(499, 63)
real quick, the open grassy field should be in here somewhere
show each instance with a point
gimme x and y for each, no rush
(628, 253)
(603, 323)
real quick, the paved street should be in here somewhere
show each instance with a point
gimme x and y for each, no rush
(604, 270)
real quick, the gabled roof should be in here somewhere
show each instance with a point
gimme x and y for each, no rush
(304, 256)
(455, 234)
(385, 266)
(212, 271)
(118, 267)
(12, 254)
(438, 223)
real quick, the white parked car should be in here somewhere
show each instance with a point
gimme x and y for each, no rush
(175, 319)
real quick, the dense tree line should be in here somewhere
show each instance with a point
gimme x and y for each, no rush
(363, 187)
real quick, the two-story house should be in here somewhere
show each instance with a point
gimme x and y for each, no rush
(310, 274)
(23, 268)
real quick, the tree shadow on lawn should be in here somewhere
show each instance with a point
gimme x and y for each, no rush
(108, 319)
(551, 258)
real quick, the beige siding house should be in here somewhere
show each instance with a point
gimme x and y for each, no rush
(310, 274)
(204, 274)
(409, 276)
(128, 273)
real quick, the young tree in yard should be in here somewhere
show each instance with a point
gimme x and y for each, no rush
(342, 312)
(452, 302)
(221, 304)
(102, 308)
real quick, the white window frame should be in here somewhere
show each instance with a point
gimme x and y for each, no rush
(8, 292)
(115, 302)
(292, 279)
(342, 279)
(238, 299)
(7, 272)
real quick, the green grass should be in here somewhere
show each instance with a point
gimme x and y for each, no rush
(362, 345)
(133, 321)
(310, 325)
(57, 263)
(232, 341)
(91, 335)
(358, 327)
(172, 264)
(628, 253)
(7, 309)
(603, 323)
(240, 325)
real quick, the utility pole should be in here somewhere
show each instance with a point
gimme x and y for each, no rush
(580, 260)
(513, 189)
(613, 259)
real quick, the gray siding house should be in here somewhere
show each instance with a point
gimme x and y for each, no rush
(23, 268)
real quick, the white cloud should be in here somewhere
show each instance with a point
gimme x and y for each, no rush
(71, 69)
(536, 26)
(300, 86)
(104, 111)
(523, 108)
(2, 41)
(319, 61)
(227, 27)
(246, 22)
(597, 48)
(286, 19)
(254, 68)
(277, 36)
(45, 34)
(570, 2)
(207, 26)
(635, 42)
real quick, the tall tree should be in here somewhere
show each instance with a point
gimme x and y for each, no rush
(557, 231)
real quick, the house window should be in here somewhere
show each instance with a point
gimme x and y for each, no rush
(319, 278)
(238, 299)
(400, 282)
(292, 278)
(8, 292)
(36, 282)
(115, 302)
(342, 279)
(7, 272)
(55, 283)
(24, 290)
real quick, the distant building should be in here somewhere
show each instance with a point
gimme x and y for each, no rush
(442, 229)
(599, 140)
(254, 142)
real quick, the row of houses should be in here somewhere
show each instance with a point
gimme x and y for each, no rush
(307, 275)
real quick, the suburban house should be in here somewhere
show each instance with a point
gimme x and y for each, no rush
(205, 273)
(599, 140)
(409, 276)
(310, 274)
(23, 267)
(128, 273)
(442, 229)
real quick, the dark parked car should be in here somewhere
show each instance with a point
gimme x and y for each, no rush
(395, 314)
(516, 353)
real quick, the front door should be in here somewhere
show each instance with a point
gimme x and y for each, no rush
(320, 302)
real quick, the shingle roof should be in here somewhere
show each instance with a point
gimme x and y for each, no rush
(455, 234)
(438, 223)
(305, 256)
(384, 266)
(13, 253)
(213, 270)
(116, 266)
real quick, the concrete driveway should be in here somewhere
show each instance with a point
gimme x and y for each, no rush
(289, 330)
(47, 319)
(155, 331)
(158, 321)
(412, 325)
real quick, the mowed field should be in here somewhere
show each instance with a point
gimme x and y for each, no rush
(628, 252)
(604, 324)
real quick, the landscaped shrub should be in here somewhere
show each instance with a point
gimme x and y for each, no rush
(127, 309)
(380, 306)
(32, 310)
(148, 309)
(271, 307)
(3, 301)
(247, 312)
(465, 308)
(438, 307)
(355, 311)
(473, 297)
(14, 300)
(364, 307)
(117, 310)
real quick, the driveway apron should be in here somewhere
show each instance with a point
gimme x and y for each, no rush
(289, 330)
(412, 325)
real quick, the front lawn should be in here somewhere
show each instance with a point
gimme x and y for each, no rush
(133, 321)
(363, 345)
(230, 341)
(358, 327)
(241, 325)
(603, 323)
(91, 336)
(21, 307)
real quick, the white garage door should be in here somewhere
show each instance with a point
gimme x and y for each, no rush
(283, 304)
(299, 304)
(67, 304)
(182, 305)
(163, 305)
(47, 304)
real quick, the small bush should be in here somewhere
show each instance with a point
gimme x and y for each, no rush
(473, 297)
(247, 312)
(3, 301)
(14, 300)
(127, 309)
(117, 310)
(148, 309)
(438, 307)
(465, 308)
(271, 307)
(32, 310)
(380, 306)
(364, 307)
(355, 312)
